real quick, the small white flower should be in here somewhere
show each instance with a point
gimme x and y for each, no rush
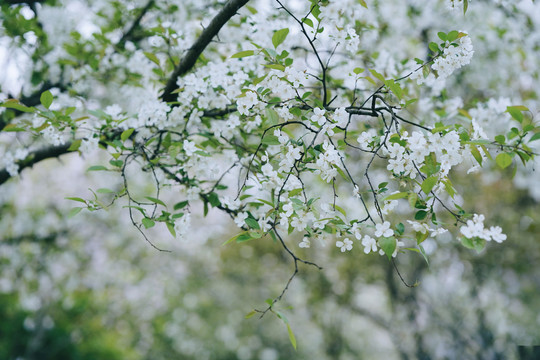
(345, 245)
(369, 243)
(318, 116)
(189, 147)
(305, 243)
(496, 234)
(383, 230)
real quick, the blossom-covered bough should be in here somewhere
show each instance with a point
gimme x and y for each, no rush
(286, 120)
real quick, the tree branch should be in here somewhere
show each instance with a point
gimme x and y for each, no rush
(35, 157)
(127, 35)
(189, 60)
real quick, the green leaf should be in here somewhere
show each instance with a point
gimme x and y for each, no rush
(155, 200)
(363, 3)
(275, 67)
(76, 199)
(500, 139)
(46, 99)
(279, 36)
(242, 54)
(478, 142)
(148, 223)
(272, 116)
(12, 127)
(117, 163)
(250, 314)
(377, 75)
(97, 168)
(308, 22)
(420, 237)
(104, 191)
(291, 336)
(181, 205)
(474, 243)
(252, 223)
(75, 145)
(423, 252)
(246, 236)
(476, 154)
(74, 211)
(449, 188)
(535, 137)
(434, 47)
(152, 57)
(394, 87)
(270, 140)
(16, 105)
(295, 192)
(341, 172)
(420, 215)
(399, 195)
(388, 245)
(430, 164)
(233, 238)
(213, 198)
(412, 199)
(170, 227)
(515, 112)
(503, 160)
(126, 134)
(429, 183)
(400, 228)
(442, 36)
(452, 35)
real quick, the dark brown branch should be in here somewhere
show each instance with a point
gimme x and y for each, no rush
(128, 34)
(35, 157)
(189, 60)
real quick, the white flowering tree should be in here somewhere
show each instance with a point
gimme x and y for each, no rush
(308, 123)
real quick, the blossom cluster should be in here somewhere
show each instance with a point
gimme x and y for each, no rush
(454, 56)
(475, 229)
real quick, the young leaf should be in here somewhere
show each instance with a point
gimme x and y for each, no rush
(377, 75)
(476, 154)
(388, 245)
(126, 134)
(46, 99)
(76, 199)
(181, 205)
(152, 57)
(156, 201)
(535, 137)
(97, 168)
(148, 223)
(434, 47)
(170, 227)
(429, 183)
(291, 336)
(242, 54)
(503, 160)
(250, 314)
(252, 223)
(16, 105)
(74, 211)
(279, 36)
(399, 195)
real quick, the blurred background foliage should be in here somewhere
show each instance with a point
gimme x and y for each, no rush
(89, 287)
